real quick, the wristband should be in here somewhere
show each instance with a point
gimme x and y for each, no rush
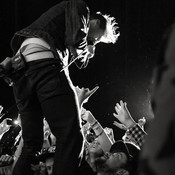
(100, 133)
(94, 124)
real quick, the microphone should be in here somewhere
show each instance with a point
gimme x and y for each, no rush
(74, 59)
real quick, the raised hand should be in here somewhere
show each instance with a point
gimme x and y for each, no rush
(84, 94)
(87, 116)
(123, 115)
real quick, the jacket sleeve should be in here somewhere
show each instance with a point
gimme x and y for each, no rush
(135, 135)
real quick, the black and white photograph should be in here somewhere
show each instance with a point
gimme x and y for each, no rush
(87, 87)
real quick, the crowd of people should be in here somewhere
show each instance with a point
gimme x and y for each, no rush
(55, 134)
(102, 155)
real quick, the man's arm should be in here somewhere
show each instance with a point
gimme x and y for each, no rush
(102, 137)
(134, 133)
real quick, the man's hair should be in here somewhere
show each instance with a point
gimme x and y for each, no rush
(109, 25)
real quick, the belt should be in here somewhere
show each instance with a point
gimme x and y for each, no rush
(35, 49)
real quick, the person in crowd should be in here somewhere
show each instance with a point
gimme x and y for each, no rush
(41, 88)
(158, 154)
(132, 128)
(9, 141)
(120, 157)
(10, 137)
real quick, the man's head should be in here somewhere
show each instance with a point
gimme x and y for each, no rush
(47, 157)
(103, 28)
(122, 157)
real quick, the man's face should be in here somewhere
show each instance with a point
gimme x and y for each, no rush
(113, 161)
(95, 33)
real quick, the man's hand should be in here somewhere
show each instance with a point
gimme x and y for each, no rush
(123, 115)
(87, 116)
(84, 94)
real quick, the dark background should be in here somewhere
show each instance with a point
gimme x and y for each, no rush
(123, 70)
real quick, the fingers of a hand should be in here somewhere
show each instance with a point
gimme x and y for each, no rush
(115, 115)
(125, 107)
(93, 90)
(119, 125)
(117, 109)
(118, 105)
(125, 104)
(121, 103)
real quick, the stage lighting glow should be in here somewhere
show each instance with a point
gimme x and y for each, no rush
(16, 122)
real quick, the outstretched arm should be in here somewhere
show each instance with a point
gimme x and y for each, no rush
(102, 138)
(134, 132)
